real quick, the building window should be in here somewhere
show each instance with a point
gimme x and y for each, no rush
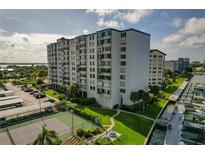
(122, 84)
(123, 49)
(123, 34)
(122, 63)
(122, 90)
(123, 56)
(122, 77)
(109, 33)
(122, 70)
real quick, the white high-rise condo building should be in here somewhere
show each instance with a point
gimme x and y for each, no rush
(108, 64)
(156, 67)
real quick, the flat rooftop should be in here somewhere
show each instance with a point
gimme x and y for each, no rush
(25, 109)
(8, 97)
(6, 92)
(10, 102)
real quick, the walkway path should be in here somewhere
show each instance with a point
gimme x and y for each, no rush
(110, 127)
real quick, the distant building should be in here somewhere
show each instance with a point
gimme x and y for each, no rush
(172, 65)
(183, 64)
(195, 62)
(7, 69)
(156, 67)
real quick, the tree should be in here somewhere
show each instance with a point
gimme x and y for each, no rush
(73, 89)
(47, 137)
(154, 90)
(168, 73)
(39, 81)
(141, 97)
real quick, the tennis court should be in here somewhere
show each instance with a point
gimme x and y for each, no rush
(4, 139)
(27, 132)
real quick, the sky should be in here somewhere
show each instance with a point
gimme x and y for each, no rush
(24, 34)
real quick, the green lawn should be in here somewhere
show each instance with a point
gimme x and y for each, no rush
(153, 110)
(133, 129)
(103, 114)
(52, 93)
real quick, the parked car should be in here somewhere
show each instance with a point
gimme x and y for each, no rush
(50, 100)
(49, 109)
(2, 95)
(28, 90)
(23, 86)
(40, 95)
(33, 92)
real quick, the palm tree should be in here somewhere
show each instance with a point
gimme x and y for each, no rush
(141, 97)
(47, 137)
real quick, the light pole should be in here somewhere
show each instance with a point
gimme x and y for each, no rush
(40, 112)
(72, 122)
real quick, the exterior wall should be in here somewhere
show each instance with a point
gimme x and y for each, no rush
(137, 64)
(92, 69)
(156, 67)
(100, 76)
(115, 70)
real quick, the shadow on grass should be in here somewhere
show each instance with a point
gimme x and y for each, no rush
(98, 110)
(136, 123)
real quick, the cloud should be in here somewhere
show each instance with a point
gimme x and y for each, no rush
(101, 12)
(110, 24)
(194, 26)
(2, 31)
(192, 35)
(174, 38)
(31, 47)
(177, 22)
(134, 16)
(85, 31)
(118, 17)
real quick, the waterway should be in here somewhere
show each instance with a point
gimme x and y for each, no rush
(182, 136)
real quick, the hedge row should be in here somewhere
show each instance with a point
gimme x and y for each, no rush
(85, 101)
(84, 114)
(88, 133)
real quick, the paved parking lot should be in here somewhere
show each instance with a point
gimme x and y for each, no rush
(28, 99)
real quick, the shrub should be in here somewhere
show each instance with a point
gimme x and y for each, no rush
(61, 106)
(87, 134)
(116, 106)
(34, 85)
(97, 130)
(80, 132)
(61, 97)
(103, 141)
(39, 81)
(85, 101)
